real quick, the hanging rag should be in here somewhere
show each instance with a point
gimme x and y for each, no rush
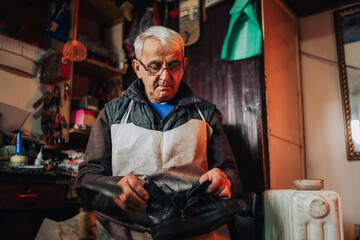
(243, 39)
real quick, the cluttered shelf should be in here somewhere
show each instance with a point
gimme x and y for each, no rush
(91, 68)
(95, 68)
(79, 133)
(83, 87)
(78, 139)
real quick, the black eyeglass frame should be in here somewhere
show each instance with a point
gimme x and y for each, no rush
(162, 69)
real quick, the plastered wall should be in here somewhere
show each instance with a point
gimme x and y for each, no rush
(324, 128)
(22, 91)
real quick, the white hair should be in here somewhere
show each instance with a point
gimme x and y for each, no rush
(167, 37)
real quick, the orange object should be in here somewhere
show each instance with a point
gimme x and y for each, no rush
(73, 49)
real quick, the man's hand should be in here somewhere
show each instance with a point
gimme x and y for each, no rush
(220, 184)
(134, 196)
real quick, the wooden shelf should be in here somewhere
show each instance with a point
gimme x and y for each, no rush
(95, 16)
(97, 69)
(79, 133)
(53, 147)
(78, 139)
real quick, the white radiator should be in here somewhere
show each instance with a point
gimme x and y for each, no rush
(303, 214)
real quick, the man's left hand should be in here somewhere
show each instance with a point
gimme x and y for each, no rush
(220, 184)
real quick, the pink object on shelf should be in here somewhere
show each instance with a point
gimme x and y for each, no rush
(83, 117)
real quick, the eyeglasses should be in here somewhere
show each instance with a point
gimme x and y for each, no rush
(156, 69)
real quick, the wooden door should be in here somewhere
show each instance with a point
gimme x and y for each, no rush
(236, 87)
(283, 94)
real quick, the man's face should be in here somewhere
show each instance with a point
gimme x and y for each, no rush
(160, 88)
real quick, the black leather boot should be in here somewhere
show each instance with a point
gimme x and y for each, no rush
(174, 215)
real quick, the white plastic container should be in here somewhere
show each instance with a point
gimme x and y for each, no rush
(306, 213)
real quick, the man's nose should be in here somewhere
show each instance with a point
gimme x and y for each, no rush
(165, 74)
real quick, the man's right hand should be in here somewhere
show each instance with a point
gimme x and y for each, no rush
(134, 196)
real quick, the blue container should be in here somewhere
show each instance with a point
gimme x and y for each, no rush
(19, 145)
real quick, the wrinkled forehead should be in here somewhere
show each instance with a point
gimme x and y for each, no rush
(155, 48)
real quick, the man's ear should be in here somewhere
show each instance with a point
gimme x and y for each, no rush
(136, 67)
(185, 63)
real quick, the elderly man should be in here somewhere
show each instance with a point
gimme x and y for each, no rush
(158, 129)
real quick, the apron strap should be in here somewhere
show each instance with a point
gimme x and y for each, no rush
(200, 113)
(127, 113)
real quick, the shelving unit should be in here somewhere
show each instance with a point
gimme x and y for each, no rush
(94, 17)
(78, 132)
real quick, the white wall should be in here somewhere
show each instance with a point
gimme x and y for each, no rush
(22, 91)
(324, 128)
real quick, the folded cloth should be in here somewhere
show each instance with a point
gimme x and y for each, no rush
(243, 39)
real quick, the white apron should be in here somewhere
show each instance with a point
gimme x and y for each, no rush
(177, 157)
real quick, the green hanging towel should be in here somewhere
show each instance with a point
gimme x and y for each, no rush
(243, 39)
